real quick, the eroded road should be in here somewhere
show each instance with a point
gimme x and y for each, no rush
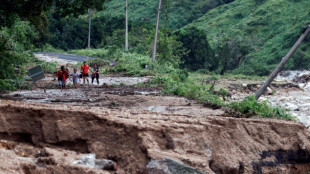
(45, 130)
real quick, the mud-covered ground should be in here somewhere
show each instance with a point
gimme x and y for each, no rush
(54, 136)
(46, 130)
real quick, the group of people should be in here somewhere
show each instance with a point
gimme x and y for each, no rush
(63, 75)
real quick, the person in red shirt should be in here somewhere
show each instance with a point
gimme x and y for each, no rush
(84, 70)
(62, 76)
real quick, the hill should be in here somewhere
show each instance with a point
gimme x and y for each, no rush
(179, 13)
(268, 29)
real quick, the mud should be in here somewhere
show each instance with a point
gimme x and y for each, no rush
(47, 130)
(50, 80)
(132, 138)
(125, 97)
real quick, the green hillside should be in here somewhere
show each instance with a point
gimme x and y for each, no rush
(179, 13)
(268, 29)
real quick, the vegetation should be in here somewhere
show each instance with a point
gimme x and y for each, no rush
(176, 14)
(23, 30)
(197, 40)
(263, 30)
(252, 107)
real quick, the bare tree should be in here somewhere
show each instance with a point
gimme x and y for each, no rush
(156, 31)
(126, 33)
(89, 26)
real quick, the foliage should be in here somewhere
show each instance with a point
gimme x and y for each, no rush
(251, 106)
(72, 33)
(176, 14)
(49, 48)
(132, 65)
(5, 86)
(13, 42)
(98, 53)
(230, 53)
(77, 7)
(12, 9)
(199, 53)
(268, 29)
(177, 83)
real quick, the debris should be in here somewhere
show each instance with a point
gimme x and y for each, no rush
(91, 162)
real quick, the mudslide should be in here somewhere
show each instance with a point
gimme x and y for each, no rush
(145, 142)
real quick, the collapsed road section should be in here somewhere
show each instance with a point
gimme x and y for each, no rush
(145, 142)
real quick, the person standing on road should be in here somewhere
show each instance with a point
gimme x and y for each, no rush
(62, 74)
(84, 69)
(95, 74)
(75, 77)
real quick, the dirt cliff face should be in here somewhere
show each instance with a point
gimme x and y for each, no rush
(132, 138)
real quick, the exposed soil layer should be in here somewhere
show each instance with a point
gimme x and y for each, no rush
(133, 137)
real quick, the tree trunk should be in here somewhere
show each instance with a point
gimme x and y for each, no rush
(89, 26)
(126, 33)
(156, 32)
(282, 63)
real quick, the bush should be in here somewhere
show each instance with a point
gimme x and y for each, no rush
(252, 107)
(132, 65)
(5, 86)
(14, 42)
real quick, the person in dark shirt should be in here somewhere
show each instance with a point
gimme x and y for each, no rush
(62, 75)
(95, 74)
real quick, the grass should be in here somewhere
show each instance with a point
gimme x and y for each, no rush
(252, 107)
(50, 48)
(132, 65)
(97, 53)
(192, 88)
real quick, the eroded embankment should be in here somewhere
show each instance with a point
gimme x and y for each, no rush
(132, 138)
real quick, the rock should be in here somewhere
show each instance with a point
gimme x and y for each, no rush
(88, 160)
(170, 166)
(291, 106)
(244, 85)
(105, 164)
(269, 91)
(91, 162)
(301, 85)
(307, 87)
(286, 74)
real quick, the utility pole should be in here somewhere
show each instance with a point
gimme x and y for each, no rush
(282, 63)
(89, 26)
(126, 33)
(156, 32)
